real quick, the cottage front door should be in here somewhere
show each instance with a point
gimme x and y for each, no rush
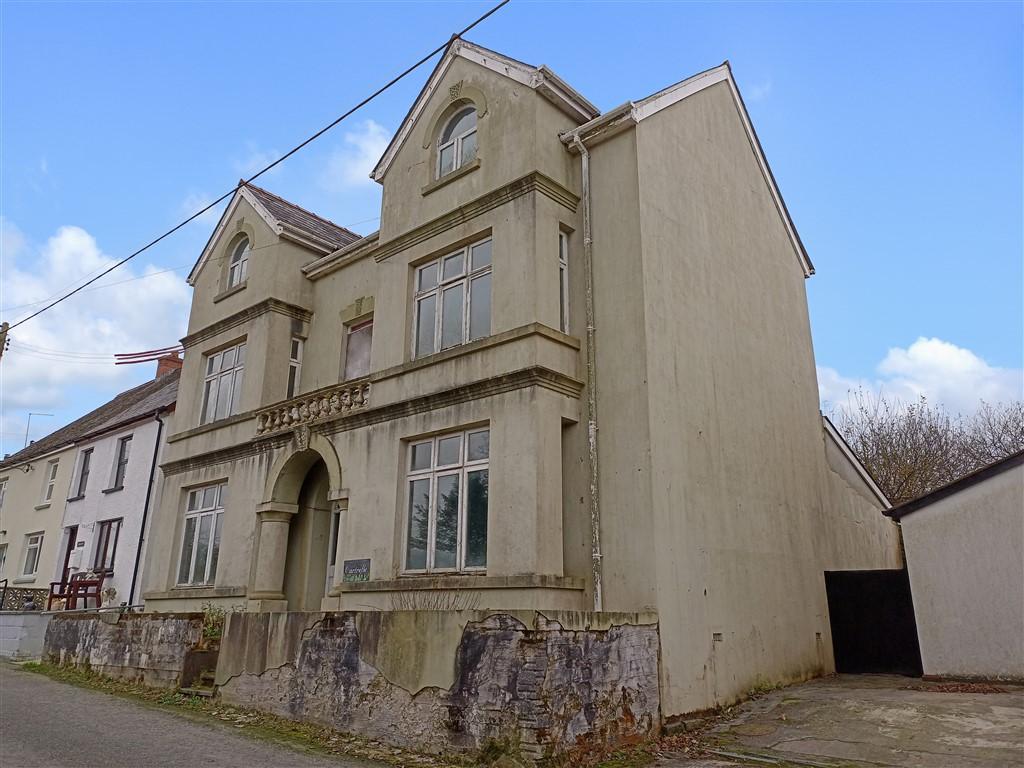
(65, 573)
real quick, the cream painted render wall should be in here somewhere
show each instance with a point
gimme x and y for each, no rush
(24, 512)
(965, 557)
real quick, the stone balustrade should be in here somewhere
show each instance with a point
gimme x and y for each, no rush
(328, 403)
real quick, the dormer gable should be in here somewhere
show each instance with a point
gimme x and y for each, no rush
(283, 218)
(540, 79)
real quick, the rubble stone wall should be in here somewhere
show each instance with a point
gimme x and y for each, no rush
(147, 648)
(541, 684)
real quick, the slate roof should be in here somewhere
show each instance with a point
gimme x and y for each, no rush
(139, 402)
(299, 218)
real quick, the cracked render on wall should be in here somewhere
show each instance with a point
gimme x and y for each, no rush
(438, 681)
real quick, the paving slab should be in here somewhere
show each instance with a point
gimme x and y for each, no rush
(874, 720)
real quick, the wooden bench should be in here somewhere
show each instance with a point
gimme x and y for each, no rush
(81, 586)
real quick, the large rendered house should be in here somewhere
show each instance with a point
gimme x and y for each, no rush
(572, 370)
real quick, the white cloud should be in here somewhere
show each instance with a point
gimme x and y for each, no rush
(943, 372)
(350, 164)
(256, 159)
(759, 92)
(195, 201)
(127, 317)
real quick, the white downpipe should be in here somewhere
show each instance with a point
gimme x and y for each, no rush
(588, 269)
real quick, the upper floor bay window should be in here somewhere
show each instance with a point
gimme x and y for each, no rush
(50, 480)
(456, 146)
(446, 529)
(358, 341)
(453, 299)
(124, 447)
(238, 267)
(294, 367)
(83, 472)
(563, 280)
(200, 543)
(222, 385)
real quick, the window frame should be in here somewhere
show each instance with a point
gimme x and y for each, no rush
(456, 142)
(294, 366)
(3, 490)
(31, 545)
(84, 466)
(121, 458)
(3, 557)
(216, 513)
(103, 530)
(462, 280)
(563, 280)
(50, 480)
(351, 329)
(238, 262)
(236, 374)
(462, 469)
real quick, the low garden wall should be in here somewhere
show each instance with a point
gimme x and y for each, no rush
(21, 634)
(535, 684)
(151, 649)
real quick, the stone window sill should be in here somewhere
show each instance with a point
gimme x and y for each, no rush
(24, 580)
(464, 581)
(44, 505)
(195, 592)
(230, 291)
(115, 489)
(448, 178)
(79, 497)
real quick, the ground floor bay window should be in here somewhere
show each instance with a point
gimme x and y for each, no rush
(446, 525)
(200, 544)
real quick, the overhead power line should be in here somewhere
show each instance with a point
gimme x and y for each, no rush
(279, 160)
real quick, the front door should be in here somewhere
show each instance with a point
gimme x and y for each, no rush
(68, 549)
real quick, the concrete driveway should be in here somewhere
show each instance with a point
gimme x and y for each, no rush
(873, 720)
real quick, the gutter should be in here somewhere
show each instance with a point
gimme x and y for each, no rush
(145, 508)
(588, 269)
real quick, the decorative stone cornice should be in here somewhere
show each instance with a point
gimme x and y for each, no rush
(247, 315)
(532, 182)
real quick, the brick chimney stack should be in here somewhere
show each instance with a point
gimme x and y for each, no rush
(167, 363)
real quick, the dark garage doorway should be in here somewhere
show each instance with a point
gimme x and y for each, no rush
(872, 619)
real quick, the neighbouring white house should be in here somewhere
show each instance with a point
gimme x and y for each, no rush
(965, 556)
(116, 474)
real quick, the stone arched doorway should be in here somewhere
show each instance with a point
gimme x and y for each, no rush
(296, 540)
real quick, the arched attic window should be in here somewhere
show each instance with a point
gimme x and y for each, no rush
(456, 145)
(238, 267)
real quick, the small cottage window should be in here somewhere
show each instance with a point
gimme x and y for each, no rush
(456, 146)
(238, 267)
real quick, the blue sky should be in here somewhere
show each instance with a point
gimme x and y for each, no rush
(894, 131)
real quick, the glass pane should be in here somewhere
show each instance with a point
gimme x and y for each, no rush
(188, 541)
(425, 325)
(223, 396)
(420, 457)
(428, 277)
(447, 159)
(202, 549)
(476, 519)
(561, 300)
(193, 500)
(481, 255)
(479, 446)
(229, 359)
(209, 400)
(211, 364)
(236, 391)
(459, 124)
(234, 276)
(222, 496)
(292, 370)
(209, 497)
(126, 448)
(215, 552)
(241, 355)
(480, 307)
(419, 516)
(453, 266)
(446, 531)
(451, 317)
(448, 450)
(295, 349)
(468, 147)
(357, 353)
(245, 269)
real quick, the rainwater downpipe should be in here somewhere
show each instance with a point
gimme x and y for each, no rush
(145, 508)
(588, 270)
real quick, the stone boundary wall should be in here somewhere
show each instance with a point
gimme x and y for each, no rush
(542, 684)
(138, 647)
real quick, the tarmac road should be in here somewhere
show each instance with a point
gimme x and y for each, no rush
(47, 724)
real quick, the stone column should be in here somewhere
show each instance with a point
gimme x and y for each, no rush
(267, 593)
